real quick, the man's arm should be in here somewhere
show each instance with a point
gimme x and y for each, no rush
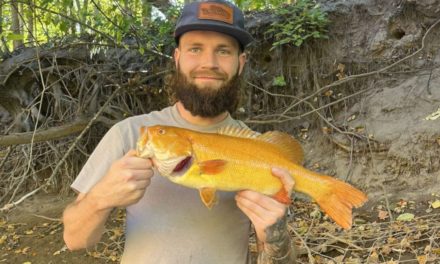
(269, 219)
(84, 222)
(278, 248)
(124, 184)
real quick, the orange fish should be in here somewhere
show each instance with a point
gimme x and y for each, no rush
(238, 159)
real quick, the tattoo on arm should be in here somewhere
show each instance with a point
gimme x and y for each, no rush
(278, 248)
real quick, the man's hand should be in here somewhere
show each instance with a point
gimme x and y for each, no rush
(269, 219)
(125, 182)
(262, 210)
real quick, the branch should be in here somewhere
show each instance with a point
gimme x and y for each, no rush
(72, 146)
(105, 16)
(48, 134)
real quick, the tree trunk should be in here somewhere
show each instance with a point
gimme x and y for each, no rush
(72, 25)
(146, 13)
(30, 23)
(1, 16)
(1, 28)
(84, 11)
(77, 6)
(15, 25)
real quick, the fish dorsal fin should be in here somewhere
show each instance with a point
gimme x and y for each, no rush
(286, 144)
(234, 131)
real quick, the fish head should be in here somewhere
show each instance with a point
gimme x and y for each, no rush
(170, 151)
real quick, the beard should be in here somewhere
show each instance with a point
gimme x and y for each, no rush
(206, 101)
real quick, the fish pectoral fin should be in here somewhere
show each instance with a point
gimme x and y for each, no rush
(212, 166)
(208, 196)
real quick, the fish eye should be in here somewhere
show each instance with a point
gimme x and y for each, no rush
(161, 131)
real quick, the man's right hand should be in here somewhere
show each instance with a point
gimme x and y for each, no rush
(125, 182)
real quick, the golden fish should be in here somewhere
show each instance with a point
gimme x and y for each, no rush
(238, 159)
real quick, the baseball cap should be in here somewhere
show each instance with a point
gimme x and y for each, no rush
(213, 15)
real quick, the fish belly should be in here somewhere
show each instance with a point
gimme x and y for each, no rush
(248, 165)
(234, 177)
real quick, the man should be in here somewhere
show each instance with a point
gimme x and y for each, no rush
(167, 223)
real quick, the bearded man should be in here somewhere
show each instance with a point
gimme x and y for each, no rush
(167, 223)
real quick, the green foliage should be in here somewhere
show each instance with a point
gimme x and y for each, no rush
(12, 36)
(130, 24)
(159, 33)
(258, 4)
(105, 22)
(297, 23)
(279, 81)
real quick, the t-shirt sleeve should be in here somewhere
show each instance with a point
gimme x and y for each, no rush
(110, 148)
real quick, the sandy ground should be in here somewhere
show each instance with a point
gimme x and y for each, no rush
(32, 233)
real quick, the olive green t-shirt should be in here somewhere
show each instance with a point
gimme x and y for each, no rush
(170, 224)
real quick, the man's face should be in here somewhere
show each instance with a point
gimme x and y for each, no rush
(208, 68)
(208, 59)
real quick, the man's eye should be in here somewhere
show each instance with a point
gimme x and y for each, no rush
(224, 52)
(194, 50)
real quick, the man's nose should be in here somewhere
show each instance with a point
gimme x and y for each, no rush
(209, 60)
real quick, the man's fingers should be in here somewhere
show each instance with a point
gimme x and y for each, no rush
(258, 199)
(139, 163)
(143, 184)
(139, 175)
(254, 217)
(260, 203)
(262, 210)
(132, 161)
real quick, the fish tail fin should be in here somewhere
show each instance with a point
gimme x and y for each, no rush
(336, 198)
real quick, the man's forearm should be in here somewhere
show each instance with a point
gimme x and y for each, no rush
(268, 256)
(278, 248)
(84, 223)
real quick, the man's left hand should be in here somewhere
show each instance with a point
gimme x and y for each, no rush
(266, 214)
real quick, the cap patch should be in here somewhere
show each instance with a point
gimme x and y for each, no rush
(216, 11)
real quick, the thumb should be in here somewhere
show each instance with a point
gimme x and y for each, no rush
(285, 177)
(131, 153)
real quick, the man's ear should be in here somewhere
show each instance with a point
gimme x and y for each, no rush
(176, 56)
(242, 61)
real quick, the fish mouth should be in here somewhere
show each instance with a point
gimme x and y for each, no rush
(144, 151)
(182, 167)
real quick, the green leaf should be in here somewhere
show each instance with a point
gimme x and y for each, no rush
(64, 26)
(297, 23)
(405, 217)
(279, 81)
(12, 36)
